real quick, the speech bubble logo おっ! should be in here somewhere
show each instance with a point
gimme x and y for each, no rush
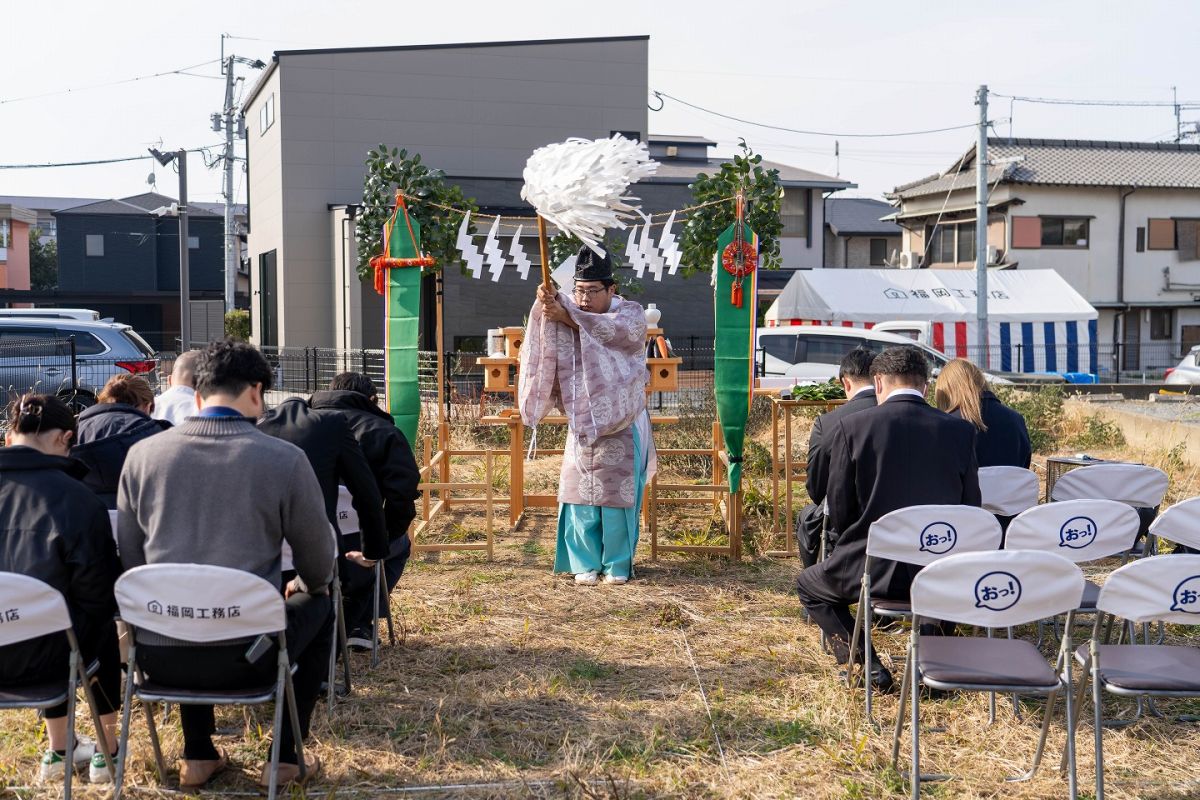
(938, 538)
(998, 591)
(1186, 597)
(1077, 533)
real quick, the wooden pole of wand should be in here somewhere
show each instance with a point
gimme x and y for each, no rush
(545, 251)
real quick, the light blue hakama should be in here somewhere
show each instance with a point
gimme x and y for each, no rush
(602, 538)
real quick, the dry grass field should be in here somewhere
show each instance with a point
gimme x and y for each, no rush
(699, 679)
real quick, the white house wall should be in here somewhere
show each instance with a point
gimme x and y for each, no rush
(265, 187)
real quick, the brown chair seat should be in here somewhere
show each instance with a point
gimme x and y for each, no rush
(974, 660)
(1148, 667)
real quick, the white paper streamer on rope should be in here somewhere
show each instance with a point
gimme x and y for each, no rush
(564, 273)
(466, 246)
(654, 261)
(633, 256)
(669, 246)
(517, 253)
(579, 185)
(491, 250)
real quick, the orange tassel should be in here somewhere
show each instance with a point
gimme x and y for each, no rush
(737, 295)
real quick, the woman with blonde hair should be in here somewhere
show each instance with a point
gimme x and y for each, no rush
(1001, 438)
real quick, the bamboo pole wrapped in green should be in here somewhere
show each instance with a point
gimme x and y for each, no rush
(736, 313)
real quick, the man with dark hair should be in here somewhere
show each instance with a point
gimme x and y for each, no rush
(902, 453)
(390, 457)
(218, 491)
(855, 376)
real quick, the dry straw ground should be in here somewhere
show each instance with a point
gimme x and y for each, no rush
(699, 679)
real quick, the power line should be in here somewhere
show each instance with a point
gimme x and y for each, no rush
(201, 150)
(1066, 101)
(180, 71)
(661, 95)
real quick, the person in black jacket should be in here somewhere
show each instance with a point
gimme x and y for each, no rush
(1001, 438)
(902, 453)
(336, 458)
(354, 395)
(55, 529)
(119, 420)
(855, 375)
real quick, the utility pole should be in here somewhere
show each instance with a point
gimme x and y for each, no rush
(231, 248)
(185, 284)
(1178, 124)
(185, 317)
(981, 215)
(235, 128)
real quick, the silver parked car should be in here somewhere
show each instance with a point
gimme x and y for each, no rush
(1187, 371)
(36, 356)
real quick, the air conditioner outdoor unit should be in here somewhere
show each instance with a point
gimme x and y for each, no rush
(910, 260)
(994, 254)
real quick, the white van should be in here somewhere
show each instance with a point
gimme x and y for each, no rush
(914, 329)
(815, 352)
(81, 314)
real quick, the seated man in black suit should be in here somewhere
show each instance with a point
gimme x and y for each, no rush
(855, 375)
(902, 453)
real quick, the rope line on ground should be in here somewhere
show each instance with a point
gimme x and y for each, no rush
(707, 708)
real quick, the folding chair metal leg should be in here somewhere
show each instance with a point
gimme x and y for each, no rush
(904, 679)
(867, 660)
(160, 763)
(126, 711)
(858, 619)
(277, 726)
(1098, 716)
(341, 637)
(289, 695)
(71, 690)
(378, 570)
(101, 734)
(915, 689)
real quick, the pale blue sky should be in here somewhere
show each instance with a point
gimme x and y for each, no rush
(846, 66)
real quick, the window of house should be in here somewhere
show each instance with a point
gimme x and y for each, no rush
(1162, 234)
(193, 243)
(878, 252)
(266, 114)
(95, 244)
(1064, 232)
(941, 244)
(966, 243)
(3, 233)
(792, 212)
(1026, 232)
(1162, 323)
(1141, 240)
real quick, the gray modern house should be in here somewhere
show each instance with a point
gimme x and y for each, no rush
(475, 111)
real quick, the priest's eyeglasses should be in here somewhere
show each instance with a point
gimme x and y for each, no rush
(585, 293)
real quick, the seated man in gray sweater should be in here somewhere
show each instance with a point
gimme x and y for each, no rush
(216, 490)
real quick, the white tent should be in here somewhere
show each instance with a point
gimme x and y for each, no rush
(1037, 322)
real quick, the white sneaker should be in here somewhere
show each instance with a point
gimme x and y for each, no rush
(98, 769)
(589, 578)
(54, 766)
(616, 580)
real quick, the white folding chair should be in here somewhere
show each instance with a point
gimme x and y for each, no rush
(989, 590)
(1136, 485)
(338, 642)
(203, 604)
(30, 609)
(1080, 531)
(1180, 523)
(1156, 589)
(916, 535)
(1007, 491)
(348, 524)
